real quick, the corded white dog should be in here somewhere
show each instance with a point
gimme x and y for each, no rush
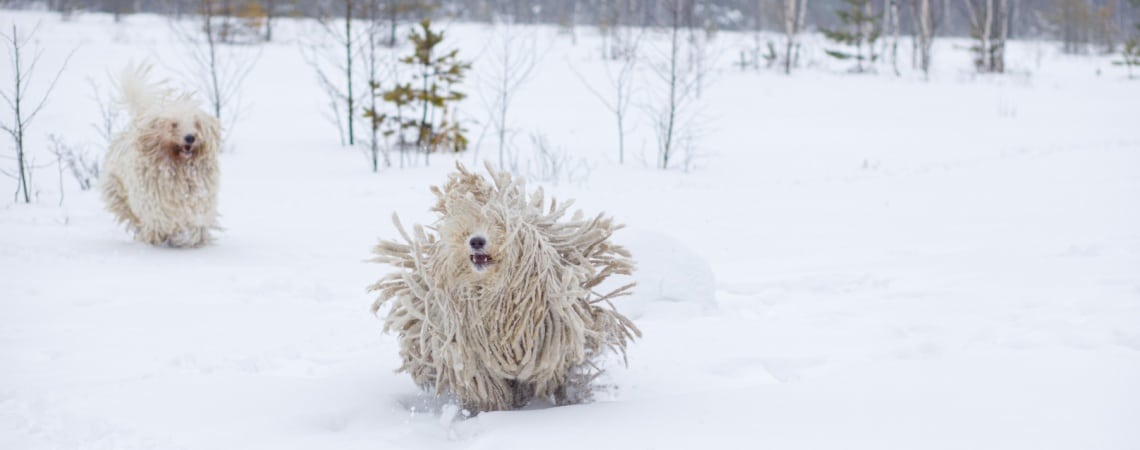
(496, 304)
(161, 175)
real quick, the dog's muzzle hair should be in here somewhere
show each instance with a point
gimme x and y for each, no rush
(497, 303)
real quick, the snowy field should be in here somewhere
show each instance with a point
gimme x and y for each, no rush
(851, 261)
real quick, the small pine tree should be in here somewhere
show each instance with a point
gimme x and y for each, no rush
(860, 28)
(1130, 55)
(430, 95)
(394, 10)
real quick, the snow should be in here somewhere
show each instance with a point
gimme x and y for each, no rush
(671, 277)
(851, 261)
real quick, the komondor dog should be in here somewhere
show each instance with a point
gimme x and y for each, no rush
(496, 304)
(161, 175)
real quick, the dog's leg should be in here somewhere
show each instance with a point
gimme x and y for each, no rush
(152, 236)
(116, 198)
(202, 237)
(190, 236)
(520, 393)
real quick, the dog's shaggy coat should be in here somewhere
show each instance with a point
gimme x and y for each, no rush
(496, 303)
(161, 177)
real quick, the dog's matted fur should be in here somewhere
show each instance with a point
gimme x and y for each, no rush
(496, 303)
(161, 175)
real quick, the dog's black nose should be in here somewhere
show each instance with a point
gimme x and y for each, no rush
(189, 138)
(477, 243)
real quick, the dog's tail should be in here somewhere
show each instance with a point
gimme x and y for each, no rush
(137, 91)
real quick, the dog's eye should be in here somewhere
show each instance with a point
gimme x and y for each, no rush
(173, 125)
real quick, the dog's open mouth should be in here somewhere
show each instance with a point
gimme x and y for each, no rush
(481, 260)
(186, 151)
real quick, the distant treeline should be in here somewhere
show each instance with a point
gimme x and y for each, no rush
(1083, 21)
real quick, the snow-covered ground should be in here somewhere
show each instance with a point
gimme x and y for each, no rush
(852, 261)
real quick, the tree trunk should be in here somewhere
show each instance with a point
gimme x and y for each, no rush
(423, 119)
(926, 33)
(987, 30)
(373, 84)
(1003, 32)
(800, 27)
(211, 44)
(19, 119)
(790, 32)
(393, 12)
(503, 93)
(865, 30)
(885, 20)
(621, 127)
(916, 33)
(270, 9)
(573, 22)
(668, 146)
(895, 40)
(348, 68)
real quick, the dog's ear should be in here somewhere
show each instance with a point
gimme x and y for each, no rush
(149, 136)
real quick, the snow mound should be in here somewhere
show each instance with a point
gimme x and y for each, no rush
(672, 279)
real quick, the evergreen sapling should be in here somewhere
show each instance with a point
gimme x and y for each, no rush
(860, 28)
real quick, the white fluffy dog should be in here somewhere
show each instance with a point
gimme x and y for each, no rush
(498, 304)
(161, 176)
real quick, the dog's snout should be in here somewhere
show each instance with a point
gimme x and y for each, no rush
(189, 138)
(477, 243)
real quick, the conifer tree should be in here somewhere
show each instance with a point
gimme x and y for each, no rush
(394, 10)
(1130, 55)
(860, 28)
(430, 96)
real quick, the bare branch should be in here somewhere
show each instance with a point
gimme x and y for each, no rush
(590, 87)
(513, 56)
(219, 66)
(23, 74)
(11, 104)
(51, 87)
